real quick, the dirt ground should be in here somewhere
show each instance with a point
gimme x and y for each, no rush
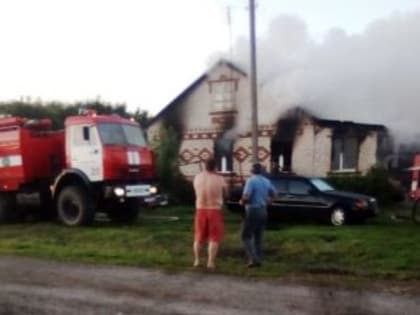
(33, 286)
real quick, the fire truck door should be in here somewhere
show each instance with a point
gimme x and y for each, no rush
(85, 151)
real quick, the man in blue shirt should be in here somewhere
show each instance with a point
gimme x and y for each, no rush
(257, 194)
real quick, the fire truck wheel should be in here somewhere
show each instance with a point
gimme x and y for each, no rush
(126, 212)
(74, 207)
(7, 207)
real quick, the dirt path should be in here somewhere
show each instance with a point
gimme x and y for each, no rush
(32, 286)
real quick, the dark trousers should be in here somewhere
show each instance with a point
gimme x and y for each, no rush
(252, 232)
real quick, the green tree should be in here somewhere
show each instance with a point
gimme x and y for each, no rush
(58, 112)
(170, 179)
(142, 117)
(167, 157)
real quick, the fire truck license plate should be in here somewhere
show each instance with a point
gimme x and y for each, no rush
(137, 190)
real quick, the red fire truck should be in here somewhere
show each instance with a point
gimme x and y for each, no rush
(97, 163)
(415, 178)
(414, 193)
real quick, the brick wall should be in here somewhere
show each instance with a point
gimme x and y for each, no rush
(312, 150)
(367, 152)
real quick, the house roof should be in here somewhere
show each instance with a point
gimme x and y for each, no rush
(192, 87)
(331, 123)
(230, 65)
(176, 100)
(351, 124)
(298, 112)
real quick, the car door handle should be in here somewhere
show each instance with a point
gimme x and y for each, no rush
(287, 196)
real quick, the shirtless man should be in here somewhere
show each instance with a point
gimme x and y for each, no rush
(209, 190)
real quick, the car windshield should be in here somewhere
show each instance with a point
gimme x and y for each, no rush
(120, 134)
(322, 185)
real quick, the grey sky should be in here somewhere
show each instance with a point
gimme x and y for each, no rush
(142, 53)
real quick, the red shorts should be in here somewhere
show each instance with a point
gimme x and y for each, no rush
(208, 225)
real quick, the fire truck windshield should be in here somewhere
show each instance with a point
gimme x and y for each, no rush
(120, 134)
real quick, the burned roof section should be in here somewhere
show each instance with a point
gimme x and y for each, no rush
(298, 113)
(338, 124)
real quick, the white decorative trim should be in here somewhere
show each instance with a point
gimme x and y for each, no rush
(133, 158)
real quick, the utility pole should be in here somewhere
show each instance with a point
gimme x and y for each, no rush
(254, 110)
(229, 21)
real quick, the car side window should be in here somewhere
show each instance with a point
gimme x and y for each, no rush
(280, 185)
(299, 187)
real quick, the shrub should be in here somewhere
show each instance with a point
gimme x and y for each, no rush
(182, 191)
(377, 182)
(179, 190)
(167, 156)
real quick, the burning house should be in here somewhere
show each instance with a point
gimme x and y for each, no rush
(212, 117)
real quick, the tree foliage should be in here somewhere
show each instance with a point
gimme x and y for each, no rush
(57, 111)
(142, 117)
(170, 178)
(167, 157)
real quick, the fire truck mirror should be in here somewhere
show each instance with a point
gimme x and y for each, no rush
(86, 133)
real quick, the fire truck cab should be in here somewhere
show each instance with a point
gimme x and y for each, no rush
(97, 163)
(415, 178)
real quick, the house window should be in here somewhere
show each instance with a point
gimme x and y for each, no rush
(223, 93)
(345, 154)
(281, 156)
(223, 153)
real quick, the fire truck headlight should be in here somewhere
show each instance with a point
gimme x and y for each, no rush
(119, 191)
(153, 189)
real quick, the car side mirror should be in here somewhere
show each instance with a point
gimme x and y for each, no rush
(86, 133)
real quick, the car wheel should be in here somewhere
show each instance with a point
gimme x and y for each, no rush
(338, 216)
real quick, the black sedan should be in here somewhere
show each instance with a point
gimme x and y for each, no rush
(312, 198)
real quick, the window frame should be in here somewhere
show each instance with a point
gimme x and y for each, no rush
(220, 155)
(223, 94)
(79, 140)
(341, 168)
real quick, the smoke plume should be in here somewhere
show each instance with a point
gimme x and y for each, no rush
(372, 77)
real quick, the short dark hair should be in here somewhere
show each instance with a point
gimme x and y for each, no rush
(257, 168)
(211, 165)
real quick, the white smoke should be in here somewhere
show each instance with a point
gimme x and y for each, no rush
(373, 77)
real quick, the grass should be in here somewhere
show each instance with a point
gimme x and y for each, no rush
(380, 249)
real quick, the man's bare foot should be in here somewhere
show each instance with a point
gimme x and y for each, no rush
(211, 267)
